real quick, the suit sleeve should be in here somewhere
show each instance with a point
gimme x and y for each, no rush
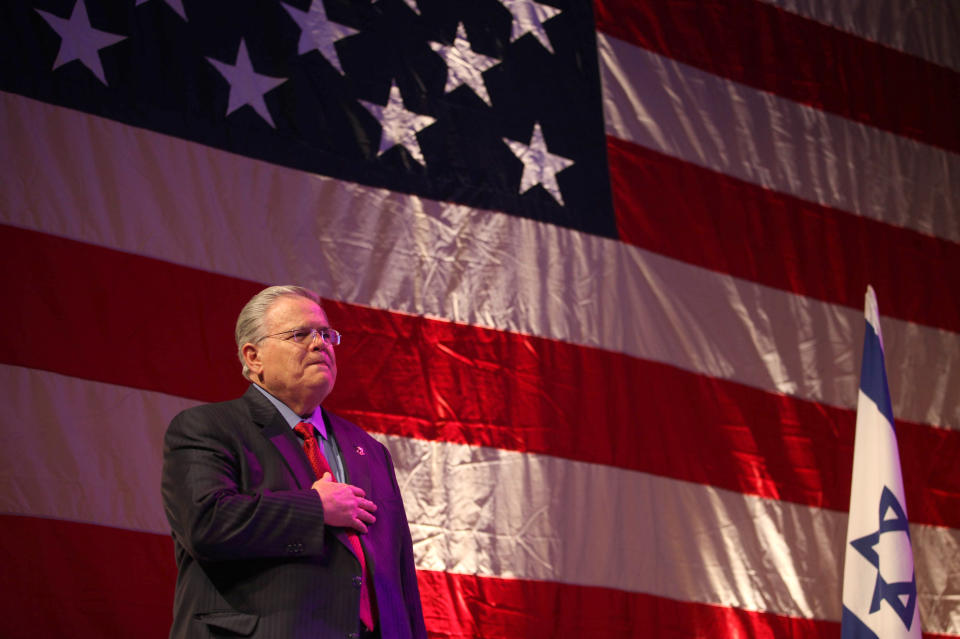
(408, 569)
(215, 511)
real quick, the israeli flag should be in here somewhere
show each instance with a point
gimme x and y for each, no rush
(879, 583)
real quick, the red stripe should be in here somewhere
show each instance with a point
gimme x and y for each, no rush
(84, 310)
(779, 240)
(80, 580)
(120, 584)
(762, 46)
(437, 380)
(461, 606)
(65, 579)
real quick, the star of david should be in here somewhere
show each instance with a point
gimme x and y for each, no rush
(892, 592)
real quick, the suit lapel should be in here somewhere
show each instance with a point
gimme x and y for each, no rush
(356, 465)
(275, 428)
(356, 470)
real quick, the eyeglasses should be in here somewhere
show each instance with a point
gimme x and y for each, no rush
(308, 335)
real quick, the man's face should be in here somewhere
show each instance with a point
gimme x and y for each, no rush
(295, 373)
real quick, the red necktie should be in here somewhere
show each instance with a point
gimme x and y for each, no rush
(320, 466)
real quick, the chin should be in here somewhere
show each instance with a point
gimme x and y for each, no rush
(324, 386)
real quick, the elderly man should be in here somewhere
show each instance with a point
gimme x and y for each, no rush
(287, 520)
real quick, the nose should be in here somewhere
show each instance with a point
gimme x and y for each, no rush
(317, 343)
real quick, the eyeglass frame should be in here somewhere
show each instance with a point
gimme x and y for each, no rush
(313, 333)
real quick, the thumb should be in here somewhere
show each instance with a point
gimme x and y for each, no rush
(327, 477)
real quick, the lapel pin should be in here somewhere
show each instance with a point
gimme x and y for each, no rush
(360, 451)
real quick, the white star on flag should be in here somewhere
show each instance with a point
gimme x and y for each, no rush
(176, 5)
(528, 17)
(399, 125)
(318, 32)
(464, 66)
(539, 165)
(80, 41)
(246, 85)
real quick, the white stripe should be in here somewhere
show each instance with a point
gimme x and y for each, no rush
(927, 29)
(781, 145)
(476, 511)
(400, 253)
(82, 451)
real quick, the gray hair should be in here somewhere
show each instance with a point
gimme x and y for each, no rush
(250, 321)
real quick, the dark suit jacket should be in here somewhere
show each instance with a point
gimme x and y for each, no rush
(253, 554)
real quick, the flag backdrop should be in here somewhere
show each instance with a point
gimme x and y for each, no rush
(879, 581)
(598, 267)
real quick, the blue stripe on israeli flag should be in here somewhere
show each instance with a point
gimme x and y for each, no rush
(873, 371)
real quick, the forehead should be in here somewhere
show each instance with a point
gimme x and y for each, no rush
(291, 311)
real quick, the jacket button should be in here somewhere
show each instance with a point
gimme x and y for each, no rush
(357, 582)
(353, 635)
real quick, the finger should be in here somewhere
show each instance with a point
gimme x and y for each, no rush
(327, 477)
(359, 492)
(366, 517)
(367, 505)
(359, 526)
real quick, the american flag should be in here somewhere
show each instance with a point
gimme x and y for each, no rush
(598, 267)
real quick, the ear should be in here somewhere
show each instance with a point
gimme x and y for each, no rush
(251, 356)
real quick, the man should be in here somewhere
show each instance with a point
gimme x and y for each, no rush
(287, 520)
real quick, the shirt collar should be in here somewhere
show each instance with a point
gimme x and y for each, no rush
(292, 418)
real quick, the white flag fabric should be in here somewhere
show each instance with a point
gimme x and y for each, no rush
(879, 582)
